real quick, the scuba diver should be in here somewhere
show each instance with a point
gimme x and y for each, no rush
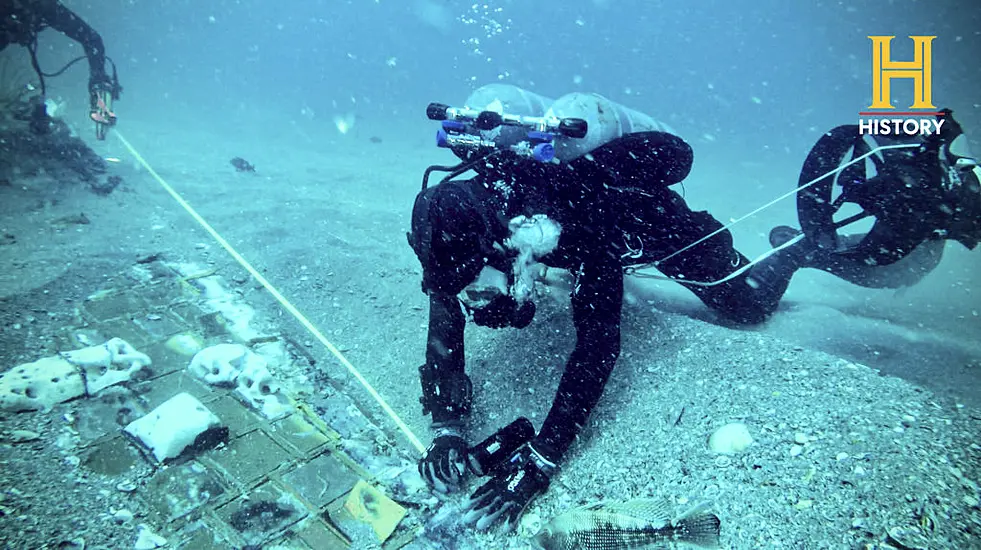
(21, 23)
(583, 184)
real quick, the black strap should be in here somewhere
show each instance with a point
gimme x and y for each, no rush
(32, 48)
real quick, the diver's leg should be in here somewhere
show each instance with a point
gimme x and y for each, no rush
(446, 388)
(747, 298)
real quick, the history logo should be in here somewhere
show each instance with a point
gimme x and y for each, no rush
(882, 118)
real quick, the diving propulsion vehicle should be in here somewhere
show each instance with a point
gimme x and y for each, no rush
(900, 246)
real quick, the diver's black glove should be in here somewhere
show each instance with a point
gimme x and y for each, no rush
(504, 311)
(444, 466)
(505, 497)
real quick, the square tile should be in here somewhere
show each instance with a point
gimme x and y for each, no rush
(166, 359)
(300, 434)
(112, 305)
(162, 292)
(152, 393)
(107, 413)
(290, 542)
(159, 325)
(188, 311)
(205, 538)
(213, 324)
(321, 536)
(124, 328)
(345, 419)
(367, 505)
(262, 514)
(239, 418)
(322, 480)
(179, 490)
(78, 338)
(249, 457)
(112, 457)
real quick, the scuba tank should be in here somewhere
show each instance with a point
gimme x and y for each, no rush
(508, 98)
(512, 100)
(606, 121)
(502, 117)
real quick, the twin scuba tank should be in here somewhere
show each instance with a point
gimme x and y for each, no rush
(564, 129)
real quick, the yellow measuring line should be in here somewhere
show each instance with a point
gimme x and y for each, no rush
(279, 297)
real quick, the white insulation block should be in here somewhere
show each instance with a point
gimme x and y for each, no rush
(173, 426)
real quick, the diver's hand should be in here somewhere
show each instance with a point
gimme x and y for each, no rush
(504, 311)
(508, 493)
(444, 465)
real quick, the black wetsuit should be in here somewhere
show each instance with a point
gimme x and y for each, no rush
(22, 20)
(615, 208)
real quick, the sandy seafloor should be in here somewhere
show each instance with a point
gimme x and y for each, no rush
(883, 387)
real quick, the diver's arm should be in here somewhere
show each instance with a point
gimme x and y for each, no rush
(446, 394)
(446, 389)
(444, 238)
(58, 17)
(596, 305)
